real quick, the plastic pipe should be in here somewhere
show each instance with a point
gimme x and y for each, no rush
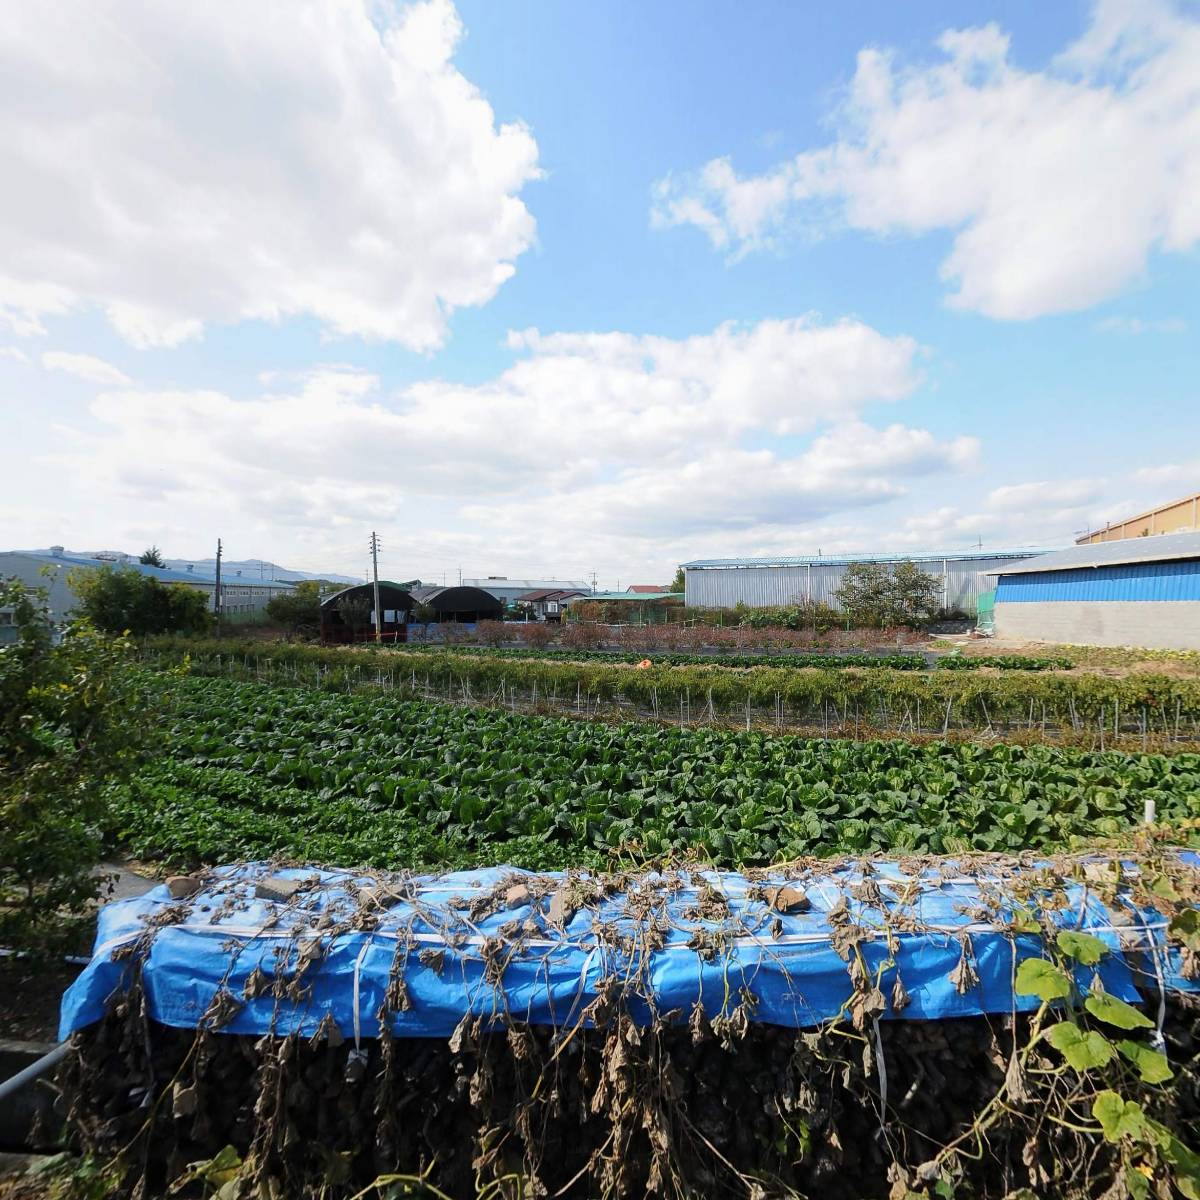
(34, 1071)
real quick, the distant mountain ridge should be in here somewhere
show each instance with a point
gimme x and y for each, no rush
(249, 568)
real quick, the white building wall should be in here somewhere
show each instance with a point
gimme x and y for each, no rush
(1148, 624)
(758, 587)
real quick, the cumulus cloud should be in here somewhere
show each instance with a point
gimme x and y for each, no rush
(584, 439)
(214, 161)
(1056, 184)
(86, 367)
(1049, 512)
(736, 490)
(1062, 493)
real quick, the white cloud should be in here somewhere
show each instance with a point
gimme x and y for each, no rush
(86, 367)
(1133, 326)
(1057, 184)
(1049, 512)
(727, 491)
(1180, 476)
(1028, 497)
(215, 161)
(14, 353)
(589, 444)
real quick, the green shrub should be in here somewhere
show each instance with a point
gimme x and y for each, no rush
(72, 716)
(122, 600)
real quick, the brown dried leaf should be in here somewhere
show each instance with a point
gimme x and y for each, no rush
(788, 899)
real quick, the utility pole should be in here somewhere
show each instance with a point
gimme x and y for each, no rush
(375, 577)
(217, 590)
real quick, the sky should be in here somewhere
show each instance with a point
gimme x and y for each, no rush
(545, 290)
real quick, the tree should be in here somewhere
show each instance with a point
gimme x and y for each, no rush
(125, 600)
(917, 594)
(865, 593)
(355, 611)
(151, 557)
(874, 594)
(492, 633)
(582, 635)
(679, 583)
(298, 611)
(72, 718)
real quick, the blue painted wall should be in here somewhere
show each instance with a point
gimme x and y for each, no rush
(1129, 581)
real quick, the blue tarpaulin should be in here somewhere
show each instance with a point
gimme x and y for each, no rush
(490, 943)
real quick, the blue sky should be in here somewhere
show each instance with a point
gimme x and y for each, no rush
(885, 278)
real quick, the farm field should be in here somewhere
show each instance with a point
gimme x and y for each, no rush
(783, 659)
(1114, 660)
(1136, 712)
(250, 770)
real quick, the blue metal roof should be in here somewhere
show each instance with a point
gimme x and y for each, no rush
(833, 560)
(1164, 547)
(163, 574)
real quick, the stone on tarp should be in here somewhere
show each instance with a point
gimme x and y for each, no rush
(277, 888)
(182, 886)
(561, 909)
(516, 896)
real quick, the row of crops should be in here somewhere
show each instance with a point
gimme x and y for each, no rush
(784, 660)
(1150, 711)
(251, 770)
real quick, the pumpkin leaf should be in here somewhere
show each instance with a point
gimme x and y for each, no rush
(1083, 947)
(1116, 1012)
(1037, 977)
(1185, 927)
(1119, 1118)
(1082, 1048)
(1151, 1065)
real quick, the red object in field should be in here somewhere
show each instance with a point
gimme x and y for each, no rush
(644, 664)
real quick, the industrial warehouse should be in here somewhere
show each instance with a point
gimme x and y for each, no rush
(1139, 591)
(759, 582)
(243, 597)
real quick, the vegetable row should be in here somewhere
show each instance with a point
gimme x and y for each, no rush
(252, 770)
(788, 659)
(921, 702)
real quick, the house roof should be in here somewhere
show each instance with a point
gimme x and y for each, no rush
(1163, 547)
(647, 587)
(540, 594)
(503, 583)
(836, 560)
(631, 597)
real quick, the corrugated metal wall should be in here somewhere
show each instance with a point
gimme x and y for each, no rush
(1171, 581)
(759, 587)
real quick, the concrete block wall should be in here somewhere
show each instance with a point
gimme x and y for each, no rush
(1169, 625)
